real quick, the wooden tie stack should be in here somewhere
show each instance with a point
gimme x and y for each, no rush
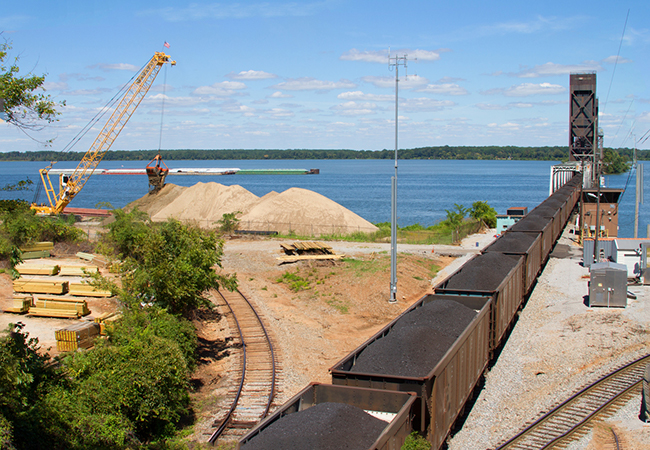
(301, 251)
(43, 283)
(79, 335)
(36, 250)
(106, 321)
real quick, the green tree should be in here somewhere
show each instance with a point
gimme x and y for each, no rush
(614, 162)
(455, 216)
(229, 222)
(169, 264)
(483, 211)
(24, 105)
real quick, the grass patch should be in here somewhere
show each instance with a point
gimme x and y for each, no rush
(296, 282)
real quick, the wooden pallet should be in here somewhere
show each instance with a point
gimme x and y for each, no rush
(295, 258)
(68, 346)
(80, 306)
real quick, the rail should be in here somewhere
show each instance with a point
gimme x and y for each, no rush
(238, 304)
(561, 422)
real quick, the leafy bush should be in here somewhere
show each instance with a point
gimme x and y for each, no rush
(24, 226)
(229, 222)
(414, 441)
(138, 324)
(482, 211)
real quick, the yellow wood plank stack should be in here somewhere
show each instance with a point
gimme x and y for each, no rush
(77, 270)
(62, 302)
(37, 268)
(78, 335)
(37, 246)
(36, 250)
(41, 285)
(107, 320)
(80, 287)
(100, 261)
(20, 304)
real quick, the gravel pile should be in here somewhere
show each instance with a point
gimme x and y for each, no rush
(325, 426)
(483, 273)
(513, 243)
(417, 341)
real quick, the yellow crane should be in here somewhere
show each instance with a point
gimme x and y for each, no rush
(71, 185)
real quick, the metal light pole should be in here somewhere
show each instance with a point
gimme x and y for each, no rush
(394, 62)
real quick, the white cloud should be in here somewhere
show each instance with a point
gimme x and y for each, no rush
(279, 94)
(382, 55)
(355, 109)
(366, 56)
(549, 69)
(222, 89)
(118, 66)
(359, 95)
(424, 104)
(616, 60)
(409, 82)
(491, 107)
(251, 75)
(444, 89)
(55, 86)
(526, 89)
(312, 84)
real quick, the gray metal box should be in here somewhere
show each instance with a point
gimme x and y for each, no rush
(608, 285)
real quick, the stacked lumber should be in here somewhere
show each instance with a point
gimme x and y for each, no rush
(61, 302)
(77, 270)
(41, 285)
(79, 335)
(37, 268)
(107, 320)
(36, 250)
(300, 251)
(81, 288)
(93, 258)
(20, 304)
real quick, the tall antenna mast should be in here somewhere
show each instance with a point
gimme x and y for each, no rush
(395, 62)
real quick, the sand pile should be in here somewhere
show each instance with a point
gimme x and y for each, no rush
(207, 202)
(305, 212)
(152, 203)
(299, 210)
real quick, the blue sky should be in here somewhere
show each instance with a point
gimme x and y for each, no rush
(315, 74)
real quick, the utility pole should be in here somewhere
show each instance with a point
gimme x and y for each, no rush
(395, 62)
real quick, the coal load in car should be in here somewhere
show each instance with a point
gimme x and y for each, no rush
(516, 243)
(417, 341)
(484, 273)
(325, 426)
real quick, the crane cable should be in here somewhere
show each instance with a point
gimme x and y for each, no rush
(162, 111)
(101, 113)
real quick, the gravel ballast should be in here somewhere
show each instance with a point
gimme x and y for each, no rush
(417, 341)
(325, 426)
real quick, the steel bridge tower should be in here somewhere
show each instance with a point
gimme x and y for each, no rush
(584, 145)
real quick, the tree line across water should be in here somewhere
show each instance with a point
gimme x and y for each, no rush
(558, 153)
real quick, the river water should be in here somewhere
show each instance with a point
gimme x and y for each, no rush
(425, 188)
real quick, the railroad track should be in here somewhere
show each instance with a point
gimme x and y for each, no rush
(570, 419)
(253, 396)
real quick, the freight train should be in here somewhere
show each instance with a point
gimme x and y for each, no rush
(433, 354)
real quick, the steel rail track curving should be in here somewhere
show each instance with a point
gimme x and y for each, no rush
(569, 418)
(256, 388)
